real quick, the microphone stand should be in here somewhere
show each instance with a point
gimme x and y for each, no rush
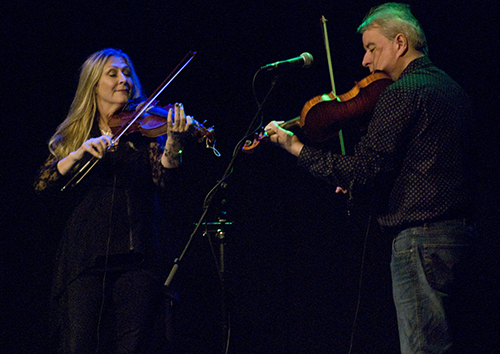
(221, 182)
(217, 230)
(220, 233)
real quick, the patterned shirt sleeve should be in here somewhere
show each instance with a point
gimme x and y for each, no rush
(375, 155)
(49, 178)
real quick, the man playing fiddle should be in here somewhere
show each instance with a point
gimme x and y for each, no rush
(413, 163)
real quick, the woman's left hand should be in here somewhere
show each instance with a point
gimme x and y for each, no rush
(178, 127)
(178, 123)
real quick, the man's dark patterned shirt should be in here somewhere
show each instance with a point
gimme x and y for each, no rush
(413, 158)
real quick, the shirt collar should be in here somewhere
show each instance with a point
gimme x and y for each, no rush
(416, 64)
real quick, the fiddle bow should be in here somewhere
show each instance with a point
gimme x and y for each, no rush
(330, 70)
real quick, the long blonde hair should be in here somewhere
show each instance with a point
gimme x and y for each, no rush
(75, 129)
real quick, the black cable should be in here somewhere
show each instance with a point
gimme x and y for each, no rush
(358, 303)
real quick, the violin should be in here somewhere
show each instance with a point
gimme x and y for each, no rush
(324, 116)
(152, 123)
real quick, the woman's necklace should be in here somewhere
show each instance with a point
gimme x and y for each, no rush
(104, 128)
(106, 131)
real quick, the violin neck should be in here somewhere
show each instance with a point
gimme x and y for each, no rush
(291, 123)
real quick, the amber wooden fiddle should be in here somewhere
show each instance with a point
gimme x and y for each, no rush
(323, 116)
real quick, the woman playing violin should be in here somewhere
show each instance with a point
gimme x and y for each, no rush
(414, 163)
(108, 281)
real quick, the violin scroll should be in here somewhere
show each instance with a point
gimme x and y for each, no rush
(261, 135)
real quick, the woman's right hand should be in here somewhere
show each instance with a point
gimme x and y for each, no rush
(94, 146)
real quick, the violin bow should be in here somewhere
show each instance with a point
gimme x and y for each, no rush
(330, 69)
(82, 172)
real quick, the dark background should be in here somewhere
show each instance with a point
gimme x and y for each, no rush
(293, 255)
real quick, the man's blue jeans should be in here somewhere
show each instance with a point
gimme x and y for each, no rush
(426, 266)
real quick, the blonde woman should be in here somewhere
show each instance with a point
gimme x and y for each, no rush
(108, 278)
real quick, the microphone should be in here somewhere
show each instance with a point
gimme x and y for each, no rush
(304, 60)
